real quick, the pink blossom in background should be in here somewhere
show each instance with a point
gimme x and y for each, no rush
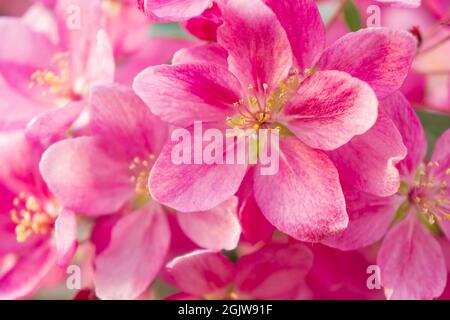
(37, 233)
(275, 271)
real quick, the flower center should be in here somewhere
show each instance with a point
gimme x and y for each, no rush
(430, 196)
(54, 81)
(139, 174)
(30, 218)
(259, 109)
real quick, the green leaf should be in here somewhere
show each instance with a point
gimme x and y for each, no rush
(434, 125)
(173, 30)
(352, 16)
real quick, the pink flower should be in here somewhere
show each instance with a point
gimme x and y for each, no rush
(271, 71)
(276, 271)
(107, 173)
(47, 68)
(37, 234)
(411, 259)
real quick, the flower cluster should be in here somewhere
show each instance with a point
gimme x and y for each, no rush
(134, 165)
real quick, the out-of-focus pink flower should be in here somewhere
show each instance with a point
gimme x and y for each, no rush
(278, 74)
(409, 247)
(427, 85)
(341, 275)
(107, 173)
(276, 271)
(52, 59)
(37, 234)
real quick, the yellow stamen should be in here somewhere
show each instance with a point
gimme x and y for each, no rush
(29, 218)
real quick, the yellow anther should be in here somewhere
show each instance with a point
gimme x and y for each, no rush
(29, 218)
(32, 204)
(56, 81)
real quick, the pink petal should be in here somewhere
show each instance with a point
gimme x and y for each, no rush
(369, 219)
(412, 263)
(120, 116)
(201, 273)
(330, 108)
(207, 54)
(21, 45)
(408, 123)
(19, 159)
(340, 275)
(255, 226)
(26, 275)
(381, 57)
(274, 272)
(86, 177)
(303, 25)
(259, 51)
(216, 229)
(101, 65)
(308, 203)
(25, 107)
(80, 41)
(182, 94)
(133, 258)
(172, 10)
(368, 162)
(194, 187)
(205, 25)
(66, 236)
(53, 123)
(153, 52)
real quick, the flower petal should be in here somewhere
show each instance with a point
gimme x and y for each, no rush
(412, 263)
(274, 272)
(85, 177)
(381, 57)
(121, 273)
(48, 125)
(21, 45)
(369, 219)
(172, 10)
(182, 94)
(191, 187)
(368, 161)
(120, 116)
(408, 123)
(207, 54)
(305, 30)
(216, 229)
(259, 51)
(28, 272)
(66, 236)
(308, 203)
(202, 273)
(329, 109)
